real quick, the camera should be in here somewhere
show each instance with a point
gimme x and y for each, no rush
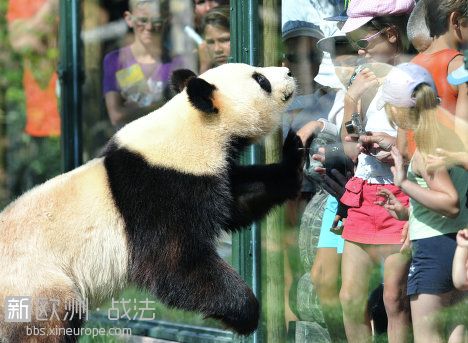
(355, 125)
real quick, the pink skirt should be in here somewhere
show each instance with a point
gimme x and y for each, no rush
(368, 223)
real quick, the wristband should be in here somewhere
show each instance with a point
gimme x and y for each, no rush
(328, 127)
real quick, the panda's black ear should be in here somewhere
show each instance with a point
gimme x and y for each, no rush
(200, 94)
(179, 79)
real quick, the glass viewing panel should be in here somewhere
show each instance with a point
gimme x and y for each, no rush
(130, 49)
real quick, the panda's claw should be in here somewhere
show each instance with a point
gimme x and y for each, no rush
(292, 163)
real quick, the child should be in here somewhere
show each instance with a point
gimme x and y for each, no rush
(136, 77)
(437, 199)
(377, 30)
(215, 31)
(447, 21)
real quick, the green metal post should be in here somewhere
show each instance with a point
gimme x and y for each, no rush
(71, 77)
(246, 244)
(273, 288)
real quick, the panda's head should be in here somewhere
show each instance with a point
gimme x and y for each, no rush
(242, 100)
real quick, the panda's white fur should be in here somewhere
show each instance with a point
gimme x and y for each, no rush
(246, 113)
(66, 232)
(74, 237)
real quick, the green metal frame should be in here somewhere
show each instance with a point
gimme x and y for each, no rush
(246, 247)
(246, 244)
(71, 76)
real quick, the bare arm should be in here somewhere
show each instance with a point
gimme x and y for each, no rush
(441, 196)
(364, 80)
(402, 144)
(460, 261)
(351, 105)
(308, 130)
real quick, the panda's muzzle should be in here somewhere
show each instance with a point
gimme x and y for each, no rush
(287, 96)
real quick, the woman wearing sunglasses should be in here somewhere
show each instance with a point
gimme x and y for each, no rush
(377, 30)
(136, 77)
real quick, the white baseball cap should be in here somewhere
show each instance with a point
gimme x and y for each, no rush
(400, 83)
(327, 44)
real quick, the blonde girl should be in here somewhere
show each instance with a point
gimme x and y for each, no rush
(438, 200)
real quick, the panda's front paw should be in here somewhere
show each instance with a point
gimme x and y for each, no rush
(293, 152)
(293, 163)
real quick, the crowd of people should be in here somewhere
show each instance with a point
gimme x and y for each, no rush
(398, 116)
(136, 77)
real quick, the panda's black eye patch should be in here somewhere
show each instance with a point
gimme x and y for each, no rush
(262, 81)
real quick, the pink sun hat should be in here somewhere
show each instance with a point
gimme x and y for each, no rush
(361, 12)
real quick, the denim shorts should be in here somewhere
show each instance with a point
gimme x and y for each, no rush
(430, 271)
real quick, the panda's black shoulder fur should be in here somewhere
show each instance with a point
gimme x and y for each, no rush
(144, 194)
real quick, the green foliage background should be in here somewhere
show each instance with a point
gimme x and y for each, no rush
(24, 161)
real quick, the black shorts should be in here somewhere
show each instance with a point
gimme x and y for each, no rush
(430, 271)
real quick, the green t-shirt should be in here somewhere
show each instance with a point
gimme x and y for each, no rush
(425, 223)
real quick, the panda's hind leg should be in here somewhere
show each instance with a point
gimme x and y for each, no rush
(56, 316)
(234, 302)
(210, 286)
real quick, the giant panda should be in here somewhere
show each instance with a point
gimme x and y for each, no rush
(150, 209)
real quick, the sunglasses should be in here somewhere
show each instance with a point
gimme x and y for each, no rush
(155, 22)
(363, 44)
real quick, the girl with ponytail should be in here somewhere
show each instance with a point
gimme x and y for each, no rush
(437, 199)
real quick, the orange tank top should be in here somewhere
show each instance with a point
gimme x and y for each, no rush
(437, 64)
(42, 109)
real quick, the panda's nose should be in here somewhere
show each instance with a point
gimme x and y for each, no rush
(286, 71)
